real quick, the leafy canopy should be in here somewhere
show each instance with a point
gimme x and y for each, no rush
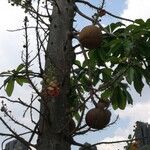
(123, 59)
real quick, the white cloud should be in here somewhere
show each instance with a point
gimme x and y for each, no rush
(10, 16)
(140, 111)
(10, 57)
(112, 146)
(137, 9)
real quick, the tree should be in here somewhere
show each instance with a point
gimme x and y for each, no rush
(119, 58)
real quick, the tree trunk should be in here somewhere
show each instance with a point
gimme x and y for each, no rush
(54, 119)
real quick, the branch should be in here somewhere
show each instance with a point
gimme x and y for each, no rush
(16, 135)
(93, 21)
(112, 81)
(116, 142)
(100, 143)
(115, 16)
(33, 133)
(12, 136)
(5, 134)
(20, 29)
(17, 122)
(37, 41)
(113, 121)
(83, 131)
(27, 61)
(87, 3)
(82, 14)
(97, 8)
(103, 3)
(20, 102)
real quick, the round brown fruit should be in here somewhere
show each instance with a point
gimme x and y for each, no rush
(90, 36)
(103, 104)
(97, 118)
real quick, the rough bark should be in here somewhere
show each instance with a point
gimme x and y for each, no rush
(59, 58)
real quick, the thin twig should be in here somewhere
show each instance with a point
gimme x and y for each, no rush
(27, 62)
(97, 8)
(16, 135)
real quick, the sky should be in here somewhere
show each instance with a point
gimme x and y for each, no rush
(11, 46)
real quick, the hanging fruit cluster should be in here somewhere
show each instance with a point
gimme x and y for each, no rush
(99, 117)
(90, 37)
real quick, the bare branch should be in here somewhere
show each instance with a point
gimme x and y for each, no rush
(115, 16)
(113, 80)
(27, 61)
(19, 101)
(15, 134)
(97, 8)
(12, 136)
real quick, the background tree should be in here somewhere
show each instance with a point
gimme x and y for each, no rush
(115, 57)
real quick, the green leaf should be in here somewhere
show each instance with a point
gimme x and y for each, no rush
(114, 60)
(86, 63)
(115, 26)
(106, 74)
(148, 20)
(7, 80)
(96, 76)
(138, 83)
(20, 67)
(115, 46)
(146, 74)
(139, 21)
(129, 98)
(120, 68)
(77, 116)
(10, 87)
(148, 23)
(118, 98)
(122, 101)
(130, 28)
(130, 75)
(106, 94)
(102, 54)
(119, 32)
(128, 46)
(95, 55)
(78, 63)
(85, 83)
(21, 80)
(114, 99)
(80, 74)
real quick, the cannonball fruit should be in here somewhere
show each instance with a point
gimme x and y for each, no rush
(103, 104)
(98, 118)
(90, 37)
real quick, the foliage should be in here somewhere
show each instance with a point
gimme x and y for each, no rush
(121, 61)
(24, 3)
(18, 76)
